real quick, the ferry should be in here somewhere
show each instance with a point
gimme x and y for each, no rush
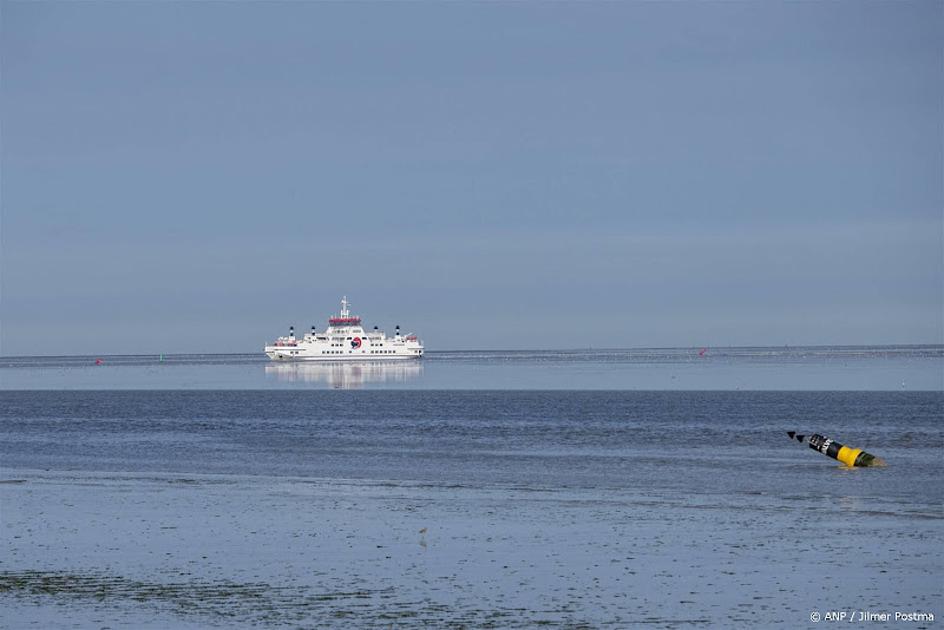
(345, 340)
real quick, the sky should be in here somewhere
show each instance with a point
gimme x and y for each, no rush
(197, 176)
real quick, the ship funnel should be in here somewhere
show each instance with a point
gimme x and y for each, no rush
(291, 332)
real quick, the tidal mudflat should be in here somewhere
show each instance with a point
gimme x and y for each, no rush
(124, 550)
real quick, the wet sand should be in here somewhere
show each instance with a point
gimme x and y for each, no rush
(162, 550)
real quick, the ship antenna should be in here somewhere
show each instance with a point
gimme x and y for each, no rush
(344, 305)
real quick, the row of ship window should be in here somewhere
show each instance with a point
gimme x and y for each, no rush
(349, 352)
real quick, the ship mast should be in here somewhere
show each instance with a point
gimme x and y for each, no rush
(345, 318)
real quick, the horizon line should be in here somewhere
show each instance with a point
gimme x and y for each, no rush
(934, 345)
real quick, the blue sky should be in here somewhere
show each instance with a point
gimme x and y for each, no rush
(196, 176)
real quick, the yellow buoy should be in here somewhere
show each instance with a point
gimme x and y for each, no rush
(851, 457)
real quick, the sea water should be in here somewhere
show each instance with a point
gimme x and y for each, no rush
(478, 491)
(836, 368)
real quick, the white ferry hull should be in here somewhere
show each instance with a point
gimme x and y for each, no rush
(279, 356)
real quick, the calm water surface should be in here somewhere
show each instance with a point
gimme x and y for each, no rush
(696, 442)
(886, 368)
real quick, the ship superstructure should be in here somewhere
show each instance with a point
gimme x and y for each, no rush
(345, 340)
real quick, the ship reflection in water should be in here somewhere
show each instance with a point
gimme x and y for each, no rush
(345, 375)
